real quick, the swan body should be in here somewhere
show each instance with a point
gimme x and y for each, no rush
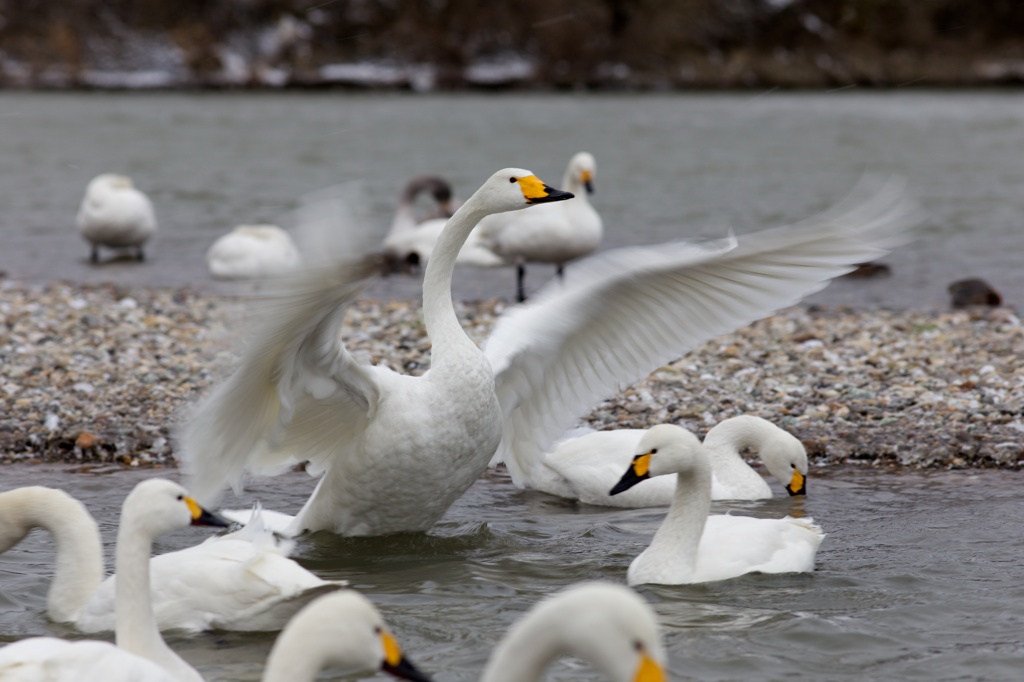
(395, 451)
(253, 252)
(585, 467)
(606, 625)
(115, 214)
(556, 234)
(154, 507)
(242, 581)
(692, 547)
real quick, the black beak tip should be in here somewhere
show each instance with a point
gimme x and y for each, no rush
(211, 519)
(406, 671)
(802, 490)
(589, 186)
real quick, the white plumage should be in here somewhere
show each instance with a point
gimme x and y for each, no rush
(396, 451)
(554, 234)
(115, 214)
(253, 252)
(585, 467)
(692, 547)
(242, 581)
(605, 625)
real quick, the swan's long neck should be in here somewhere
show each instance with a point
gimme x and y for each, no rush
(79, 568)
(446, 334)
(137, 630)
(291, 660)
(724, 443)
(679, 534)
(524, 653)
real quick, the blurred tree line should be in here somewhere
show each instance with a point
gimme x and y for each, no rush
(656, 44)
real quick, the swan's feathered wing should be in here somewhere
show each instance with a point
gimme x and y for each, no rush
(624, 313)
(294, 372)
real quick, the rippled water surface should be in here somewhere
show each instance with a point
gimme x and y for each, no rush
(669, 167)
(920, 578)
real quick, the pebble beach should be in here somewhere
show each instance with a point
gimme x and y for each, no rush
(102, 374)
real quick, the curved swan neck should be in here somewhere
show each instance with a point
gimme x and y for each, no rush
(524, 653)
(680, 533)
(291, 660)
(443, 328)
(724, 444)
(137, 631)
(79, 564)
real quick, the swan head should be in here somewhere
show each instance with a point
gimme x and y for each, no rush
(664, 449)
(438, 188)
(605, 624)
(582, 169)
(786, 459)
(511, 189)
(161, 506)
(342, 630)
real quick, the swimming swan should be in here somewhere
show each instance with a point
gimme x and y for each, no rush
(115, 214)
(152, 508)
(584, 467)
(606, 625)
(396, 451)
(252, 252)
(692, 547)
(242, 581)
(552, 234)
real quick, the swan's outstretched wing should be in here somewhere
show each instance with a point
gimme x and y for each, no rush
(624, 313)
(296, 389)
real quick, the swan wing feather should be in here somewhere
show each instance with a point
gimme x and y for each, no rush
(622, 314)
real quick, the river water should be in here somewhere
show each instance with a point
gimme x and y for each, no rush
(669, 167)
(919, 578)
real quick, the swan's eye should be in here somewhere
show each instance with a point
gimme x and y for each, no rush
(377, 630)
(638, 645)
(512, 179)
(654, 451)
(181, 497)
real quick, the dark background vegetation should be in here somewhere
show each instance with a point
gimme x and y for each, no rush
(596, 44)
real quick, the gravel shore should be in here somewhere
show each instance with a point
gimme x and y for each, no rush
(95, 374)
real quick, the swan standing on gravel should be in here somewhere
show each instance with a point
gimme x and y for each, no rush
(692, 547)
(584, 467)
(115, 214)
(606, 625)
(253, 252)
(242, 581)
(395, 451)
(154, 507)
(552, 234)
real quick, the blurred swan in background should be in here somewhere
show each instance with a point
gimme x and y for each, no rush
(253, 252)
(152, 508)
(556, 234)
(410, 239)
(395, 451)
(241, 581)
(585, 467)
(692, 547)
(115, 214)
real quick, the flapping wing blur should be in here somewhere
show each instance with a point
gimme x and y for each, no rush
(624, 313)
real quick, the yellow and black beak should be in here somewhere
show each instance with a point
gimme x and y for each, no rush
(201, 517)
(639, 470)
(536, 192)
(397, 664)
(649, 670)
(797, 484)
(588, 181)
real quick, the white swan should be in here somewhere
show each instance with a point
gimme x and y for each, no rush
(154, 507)
(553, 234)
(692, 547)
(341, 630)
(242, 581)
(584, 467)
(606, 625)
(253, 252)
(114, 213)
(410, 241)
(396, 451)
